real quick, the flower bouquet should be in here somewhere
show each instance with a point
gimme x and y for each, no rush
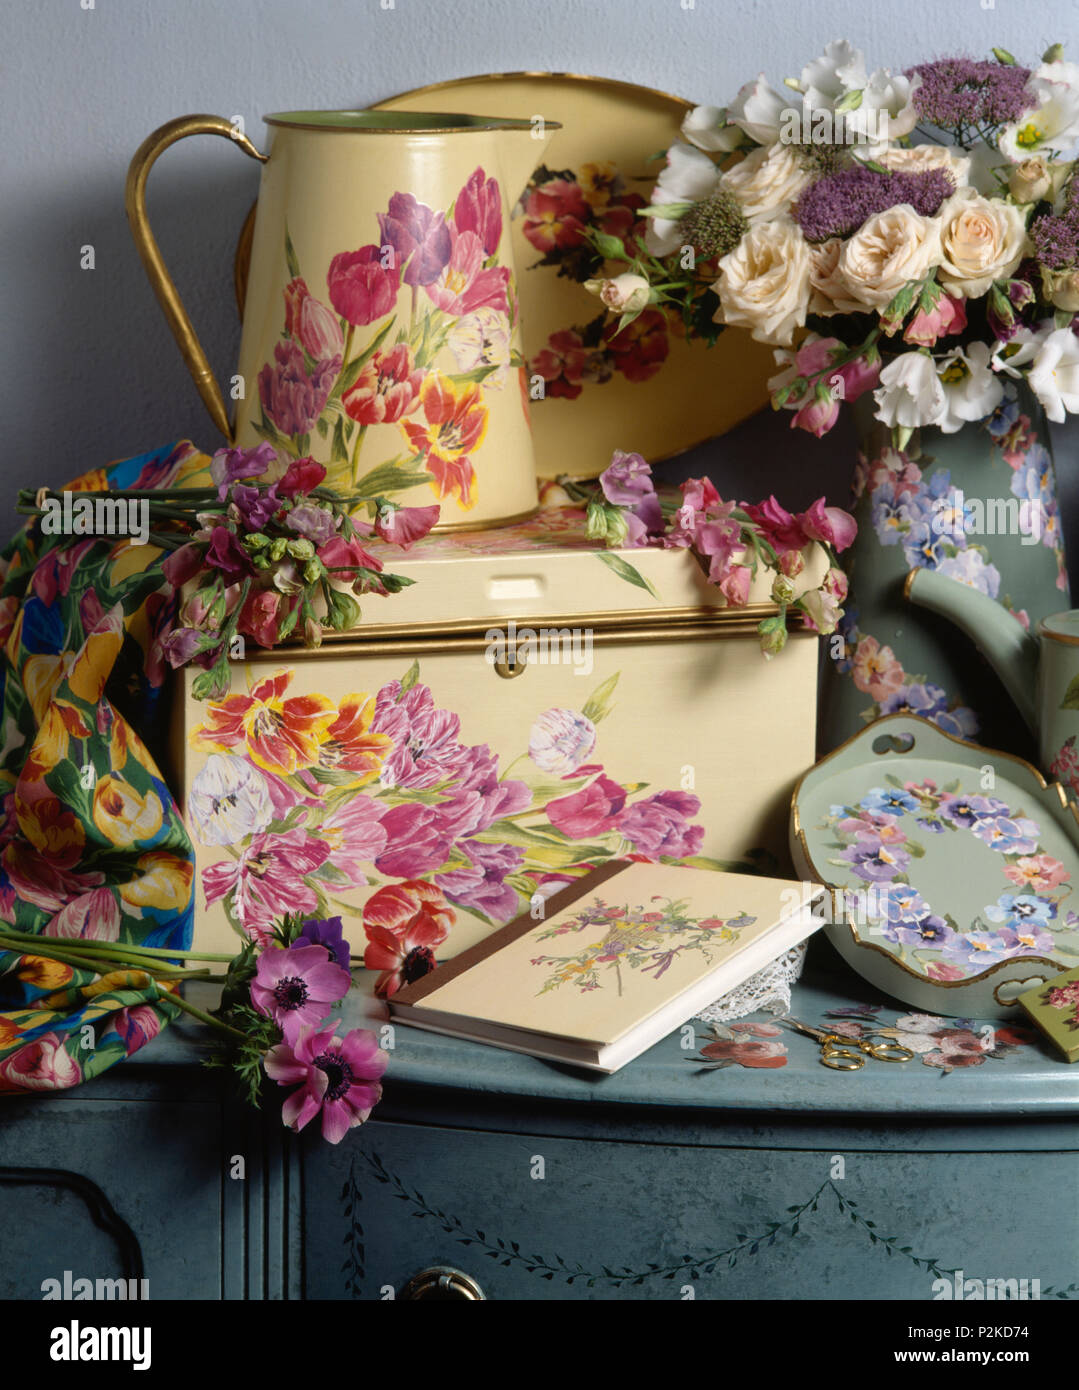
(923, 226)
(273, 1017)
(731, 541)
(269, 558)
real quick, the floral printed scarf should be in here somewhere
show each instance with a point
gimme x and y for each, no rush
(91, 840)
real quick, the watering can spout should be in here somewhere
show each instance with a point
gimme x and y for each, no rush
(1008, 647)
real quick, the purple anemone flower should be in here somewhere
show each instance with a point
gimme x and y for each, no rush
(295, 987)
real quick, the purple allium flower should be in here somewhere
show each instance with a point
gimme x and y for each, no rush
(958, 92)
(328, 932)
(1056, 239)
(838, 204)
(296, 987)
(292, 399)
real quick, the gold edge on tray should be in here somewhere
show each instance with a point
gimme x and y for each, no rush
(838, 889)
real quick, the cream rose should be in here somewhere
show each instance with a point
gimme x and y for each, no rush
(767, 181)
(888, 251)
(829, 294)
(982, 240)
(1062, 287)
(764, 282)
(921, 158)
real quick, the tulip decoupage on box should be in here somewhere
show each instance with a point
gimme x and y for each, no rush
(536, 708)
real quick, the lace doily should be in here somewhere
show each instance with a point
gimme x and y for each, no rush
(769, 990)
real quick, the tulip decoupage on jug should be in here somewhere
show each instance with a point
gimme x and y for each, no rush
(528, 715)
(381, 329)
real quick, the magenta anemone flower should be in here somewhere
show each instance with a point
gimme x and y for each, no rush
(339, 1076)
(295, 987)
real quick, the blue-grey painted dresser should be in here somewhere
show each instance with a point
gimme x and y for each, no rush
(533, 1181)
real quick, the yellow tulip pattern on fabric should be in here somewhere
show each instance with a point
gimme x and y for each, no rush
(91, 842)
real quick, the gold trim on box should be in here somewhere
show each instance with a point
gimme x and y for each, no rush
(837, 890)
(455, 644)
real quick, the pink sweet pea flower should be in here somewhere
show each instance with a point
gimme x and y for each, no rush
(295, 987)
(783, 531)
(735, 585)
(404, 526)
(337, 1077)
(831, 525)
(818, 415)
(300, 477)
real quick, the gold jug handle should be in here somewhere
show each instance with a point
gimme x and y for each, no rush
(150, 254)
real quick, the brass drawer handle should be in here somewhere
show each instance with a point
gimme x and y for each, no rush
(443, 1282)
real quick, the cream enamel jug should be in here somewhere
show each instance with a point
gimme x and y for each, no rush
(381, 334)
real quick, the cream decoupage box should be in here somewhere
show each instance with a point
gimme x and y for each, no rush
(531, 707)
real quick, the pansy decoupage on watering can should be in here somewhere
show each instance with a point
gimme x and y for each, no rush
(381, 330)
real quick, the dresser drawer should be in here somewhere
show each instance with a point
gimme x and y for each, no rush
(530, 1217)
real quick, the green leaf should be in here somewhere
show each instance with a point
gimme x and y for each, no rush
(338, 447)
(290, 257)
(351, 371)
(626, 571)
(598, 704)
(477, 374)
(1071, 695)
(389, 477)
(409, 679)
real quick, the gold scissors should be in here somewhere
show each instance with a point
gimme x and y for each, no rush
(849, 1054)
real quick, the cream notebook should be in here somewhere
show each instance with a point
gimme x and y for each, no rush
(618, 960)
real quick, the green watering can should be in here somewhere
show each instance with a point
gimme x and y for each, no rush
(1040, 672)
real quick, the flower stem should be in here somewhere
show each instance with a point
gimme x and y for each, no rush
(356, 454)
(103, 947)
(203, 1016)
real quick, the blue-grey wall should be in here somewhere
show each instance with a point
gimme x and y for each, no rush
(88, 369)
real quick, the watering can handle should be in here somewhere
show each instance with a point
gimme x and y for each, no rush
(150, 254)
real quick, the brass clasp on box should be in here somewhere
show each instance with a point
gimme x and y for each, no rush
(510, 664)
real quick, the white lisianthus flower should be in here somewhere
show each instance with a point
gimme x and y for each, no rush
(707, 128)
(764, 282)
(889, 250)
(690, 177)
(921, 158)
(839, 69)
(1054, 374)
(229, 800)
(971, 390)
(886, 111)
(910, 394)
(981, 240)
(758, 109)
(767, 181)
(1054, 122)
(1020, 348)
